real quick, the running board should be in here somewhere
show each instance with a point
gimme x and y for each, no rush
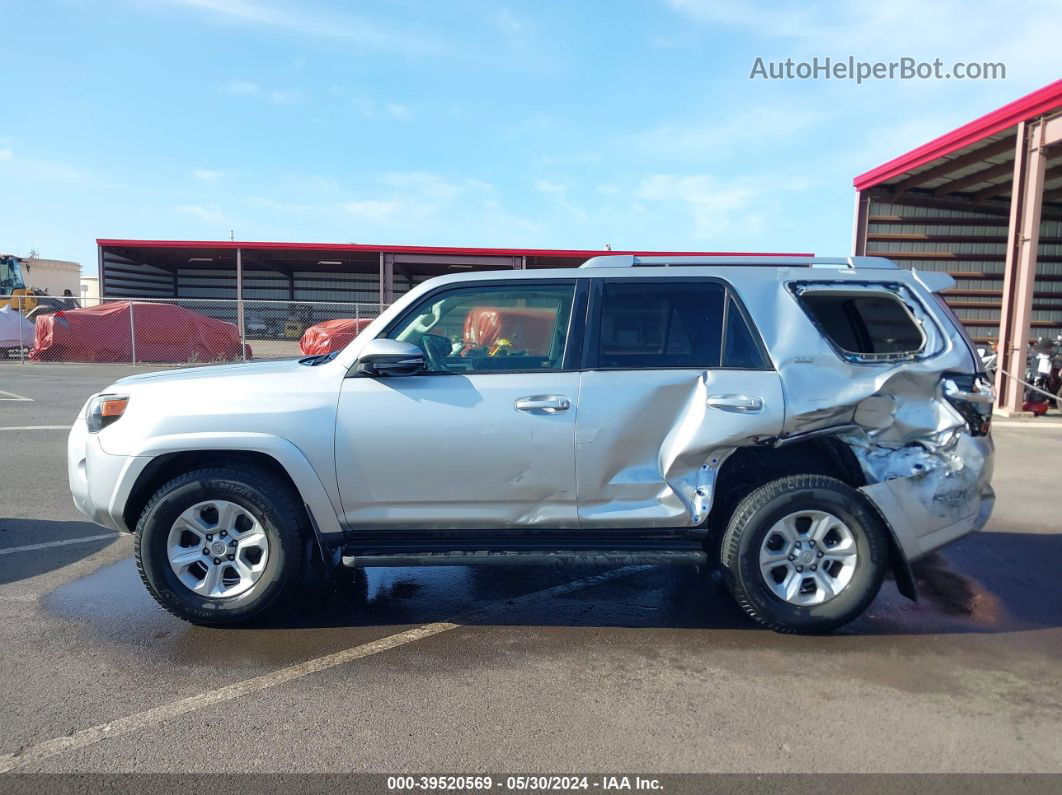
(535, 557)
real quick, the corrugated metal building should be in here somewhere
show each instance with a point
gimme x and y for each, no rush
(306, 271)
(984, 203)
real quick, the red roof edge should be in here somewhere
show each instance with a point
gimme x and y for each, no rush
(504, 252)
(1031, 105)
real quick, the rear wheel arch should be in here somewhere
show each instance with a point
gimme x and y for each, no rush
(748, 468)
(747, 557)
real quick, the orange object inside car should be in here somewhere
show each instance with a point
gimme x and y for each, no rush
(529, 330)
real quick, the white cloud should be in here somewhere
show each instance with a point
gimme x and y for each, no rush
(370, 108)
(306, 19)
(285, 96)
(44, 170)
(559, 194)
(398, 111)
(421, 206)
(210, 214)
(713, 204)
(373, 209)
(966, 30)
(545, 186)
(750, 127)
(207, 174)
(505, 19)
(247, 88)
(241, 87)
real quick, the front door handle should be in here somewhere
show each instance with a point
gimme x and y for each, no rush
(742, 404)
(543, 404)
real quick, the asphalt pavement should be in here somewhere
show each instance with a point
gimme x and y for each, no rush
(496, 669)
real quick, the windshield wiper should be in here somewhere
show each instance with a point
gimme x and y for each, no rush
(319, 358)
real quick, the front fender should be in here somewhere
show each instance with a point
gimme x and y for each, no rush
(324, 514)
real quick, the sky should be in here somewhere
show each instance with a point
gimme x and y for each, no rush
(632, 123)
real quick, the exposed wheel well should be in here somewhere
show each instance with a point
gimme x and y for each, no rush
(748, 468)
(168, 466)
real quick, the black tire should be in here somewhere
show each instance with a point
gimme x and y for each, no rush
(267, 498)
(754, 517)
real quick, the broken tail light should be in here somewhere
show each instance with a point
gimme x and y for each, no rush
(972, 396)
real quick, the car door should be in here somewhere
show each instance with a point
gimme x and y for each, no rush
(675, 377)
(485, 436)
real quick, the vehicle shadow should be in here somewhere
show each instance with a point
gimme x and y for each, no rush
(987, 583)
(22, 565)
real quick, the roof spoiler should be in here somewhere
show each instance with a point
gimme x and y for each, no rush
(632, 261)
(934, 281)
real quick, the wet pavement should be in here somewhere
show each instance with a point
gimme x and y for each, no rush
(654, 669)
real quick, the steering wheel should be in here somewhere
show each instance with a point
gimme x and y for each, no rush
(432, 345)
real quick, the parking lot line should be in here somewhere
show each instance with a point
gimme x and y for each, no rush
(63, 543)
(12, 396)
(166, 712)
(34, 427)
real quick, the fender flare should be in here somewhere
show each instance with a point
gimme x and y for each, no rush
(324, 517)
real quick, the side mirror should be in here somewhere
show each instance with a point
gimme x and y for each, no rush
(383, 357)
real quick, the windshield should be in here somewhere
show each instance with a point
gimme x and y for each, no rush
(10, 275)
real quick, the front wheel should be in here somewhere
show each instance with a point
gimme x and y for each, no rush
(804, 554)
(220, 545)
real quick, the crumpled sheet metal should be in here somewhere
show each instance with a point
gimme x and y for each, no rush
(911, 438)
(823, 390)
(650, 448)
(925, 472)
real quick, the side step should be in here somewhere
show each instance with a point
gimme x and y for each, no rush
(535, 557)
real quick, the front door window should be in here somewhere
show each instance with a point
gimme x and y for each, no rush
(489, 329)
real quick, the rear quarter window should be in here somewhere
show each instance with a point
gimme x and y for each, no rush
(868, 324)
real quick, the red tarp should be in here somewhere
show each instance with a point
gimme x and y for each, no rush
(163, 333)
(332, 335)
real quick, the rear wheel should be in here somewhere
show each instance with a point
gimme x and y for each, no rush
(804, 553)
(220, 545)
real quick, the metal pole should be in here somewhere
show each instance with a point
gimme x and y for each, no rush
(21, 345)
(859, 224)
(239, 304)
(132, 332)
(1019, 279)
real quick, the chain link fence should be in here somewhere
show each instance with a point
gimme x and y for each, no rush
(186, 331)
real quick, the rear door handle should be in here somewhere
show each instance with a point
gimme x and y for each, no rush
(543, 404)
(743, 404)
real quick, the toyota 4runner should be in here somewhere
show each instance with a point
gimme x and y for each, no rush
(806, 425)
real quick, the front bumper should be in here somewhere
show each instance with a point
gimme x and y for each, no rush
(99, 482)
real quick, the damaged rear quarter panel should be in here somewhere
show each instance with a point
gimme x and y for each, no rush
(926, 474)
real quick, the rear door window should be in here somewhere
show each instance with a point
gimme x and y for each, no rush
(673, 325)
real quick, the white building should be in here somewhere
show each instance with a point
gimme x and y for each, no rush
(55, 276)
(90, 291)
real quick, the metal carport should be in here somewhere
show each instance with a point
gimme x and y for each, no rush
(984, 203)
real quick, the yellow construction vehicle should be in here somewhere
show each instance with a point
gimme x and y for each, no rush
(13, 290)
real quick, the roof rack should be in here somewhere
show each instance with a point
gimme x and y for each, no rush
(632, 261)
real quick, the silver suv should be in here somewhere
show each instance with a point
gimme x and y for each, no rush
(806, 425)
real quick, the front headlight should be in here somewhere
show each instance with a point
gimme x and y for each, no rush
(103, 410)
